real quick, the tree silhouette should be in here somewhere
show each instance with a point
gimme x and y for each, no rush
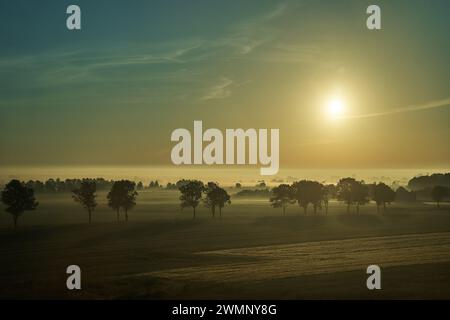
(308, 192)
(282, 196)
(129, 196)
(154, 184)
(85, 195)
(181, 182)
(211, 197)
(352, 192)
(316, 194)
(122, 195)
(114, 198)
(171, 186)
(191, 193)
(300, 194)
(423, 182)
(360, 193)
(438, 193)
(223, 198)
(382, 194)
(344, 191)
(325, 196)
(18, 198)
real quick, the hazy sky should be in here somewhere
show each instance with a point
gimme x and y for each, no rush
(112, 93)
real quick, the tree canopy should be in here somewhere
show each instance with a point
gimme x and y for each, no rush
(18, 198)
(382, 194)
(85, 195)
(282, 196)
(122, 195)
(191, 193)
(307, 192)
(215, 196)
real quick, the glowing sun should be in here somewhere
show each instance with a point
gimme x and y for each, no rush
(335, 108)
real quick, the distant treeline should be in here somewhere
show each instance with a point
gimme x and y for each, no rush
(401, 193)
(58, 185)
(19, 197)
(421, 185)
(67, 185)
(254, 193)
(418, 188)
(428, 182)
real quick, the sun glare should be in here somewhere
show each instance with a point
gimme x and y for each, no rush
(335, 108)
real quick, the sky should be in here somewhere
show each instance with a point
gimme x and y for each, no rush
(111, 93)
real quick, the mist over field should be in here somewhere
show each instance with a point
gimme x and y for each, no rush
(252, 251)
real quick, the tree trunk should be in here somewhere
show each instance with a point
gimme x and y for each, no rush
(15, 217)
(220, 212)
(213, 209)
(193, 218)
(90, 213)
(378, 208)
(284, 210)
(384, 206)
(315, 209)
(117, 215)
(126, 215)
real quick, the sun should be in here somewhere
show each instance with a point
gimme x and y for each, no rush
(335, 108)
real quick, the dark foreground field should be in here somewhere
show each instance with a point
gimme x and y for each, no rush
(253, 252)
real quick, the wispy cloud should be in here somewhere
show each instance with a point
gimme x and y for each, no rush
(248, 35)
(223, 89)
(219, 91)
(291, 53)
(160, 64)
(426, 106)
(92, 66)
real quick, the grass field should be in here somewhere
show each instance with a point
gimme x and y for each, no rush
(252, 252)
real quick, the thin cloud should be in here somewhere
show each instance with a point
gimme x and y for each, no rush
(219, 91)
(87, 65)
(289, 53)
(245, 37)
(223, 89)
(426, 106)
